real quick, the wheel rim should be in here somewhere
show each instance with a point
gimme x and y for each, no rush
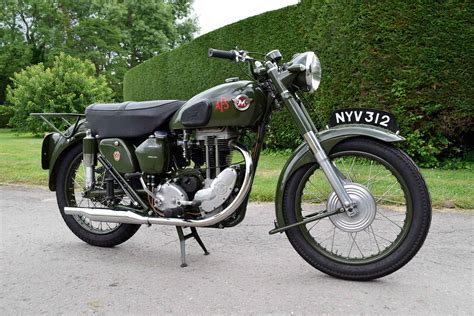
(75, 197)
(345, 243)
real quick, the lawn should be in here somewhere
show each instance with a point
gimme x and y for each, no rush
(20, 164)
(20, 159)
(445, 186)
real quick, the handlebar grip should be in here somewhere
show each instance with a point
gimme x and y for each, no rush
(231, 54)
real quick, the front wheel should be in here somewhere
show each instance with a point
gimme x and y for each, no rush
(393, 205)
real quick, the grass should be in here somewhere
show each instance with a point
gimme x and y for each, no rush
(20, 163)
(20, 159)
(445, 186)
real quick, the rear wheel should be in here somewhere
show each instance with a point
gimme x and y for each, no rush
(69, 192)
(393, 204)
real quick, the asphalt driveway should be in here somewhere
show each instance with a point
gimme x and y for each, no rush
(45, 269)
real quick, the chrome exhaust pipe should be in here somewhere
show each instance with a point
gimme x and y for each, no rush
(128, 217)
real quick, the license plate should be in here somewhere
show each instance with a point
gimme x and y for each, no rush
(364, 116)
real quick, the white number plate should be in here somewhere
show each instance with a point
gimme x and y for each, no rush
(364, 116)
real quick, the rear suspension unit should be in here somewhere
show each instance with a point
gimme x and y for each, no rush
(89, 152)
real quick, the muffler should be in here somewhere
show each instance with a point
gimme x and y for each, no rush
(128, 217)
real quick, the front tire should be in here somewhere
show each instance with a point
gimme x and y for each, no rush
(69, 187)
(384, 236)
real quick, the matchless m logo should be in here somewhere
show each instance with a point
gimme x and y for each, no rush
(116, 155)
(242, 102)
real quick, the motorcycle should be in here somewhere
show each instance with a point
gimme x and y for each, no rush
(351, 203)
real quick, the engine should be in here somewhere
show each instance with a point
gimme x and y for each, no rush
(205, 179)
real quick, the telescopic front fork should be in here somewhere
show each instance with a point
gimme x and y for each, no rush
(308, 130)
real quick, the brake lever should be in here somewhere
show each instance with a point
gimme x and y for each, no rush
(242, 55)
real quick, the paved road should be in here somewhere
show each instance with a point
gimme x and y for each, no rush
(45, 269)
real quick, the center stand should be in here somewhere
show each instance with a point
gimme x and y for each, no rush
(182, 241)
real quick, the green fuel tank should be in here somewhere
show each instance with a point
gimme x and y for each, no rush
(238, 104)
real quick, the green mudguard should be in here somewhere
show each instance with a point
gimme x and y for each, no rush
(54, 147)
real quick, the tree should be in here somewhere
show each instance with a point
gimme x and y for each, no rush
(69, 85)
(115, 35)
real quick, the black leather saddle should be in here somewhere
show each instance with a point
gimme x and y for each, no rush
(130, 119)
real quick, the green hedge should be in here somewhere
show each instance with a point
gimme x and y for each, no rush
(413, 58)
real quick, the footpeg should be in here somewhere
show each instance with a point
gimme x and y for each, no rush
(173, 212)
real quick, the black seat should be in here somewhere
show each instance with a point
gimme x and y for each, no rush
(130, 119)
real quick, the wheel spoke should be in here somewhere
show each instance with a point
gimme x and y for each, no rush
(345, 169)
(333, 236)
(370, 228)
(390, 220)
(368, 183)
(319, 194)
(75, 187)
(350, 169)
(390, 201)
(315, 224)
(388, 190)
(322, 241)
(376, 176)
(352, 244)
(378, 237)
(383, 238)
(357, 245)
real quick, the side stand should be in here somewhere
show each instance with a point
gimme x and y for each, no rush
(182, 240)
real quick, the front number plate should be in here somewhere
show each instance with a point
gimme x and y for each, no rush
(364, 116)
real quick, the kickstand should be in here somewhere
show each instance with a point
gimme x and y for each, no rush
(182, 239)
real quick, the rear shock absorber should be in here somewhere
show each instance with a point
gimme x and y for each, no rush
(89, 153)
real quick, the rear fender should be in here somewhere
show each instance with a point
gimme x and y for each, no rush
(328, 138)
(55, 146)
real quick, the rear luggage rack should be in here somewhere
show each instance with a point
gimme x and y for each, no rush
(67, 134)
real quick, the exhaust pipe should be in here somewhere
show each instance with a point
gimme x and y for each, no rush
(128, 217)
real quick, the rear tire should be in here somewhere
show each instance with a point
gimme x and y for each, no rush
(396, 231)
(68, 185)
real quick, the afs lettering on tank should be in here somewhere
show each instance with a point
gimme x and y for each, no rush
(224, 111)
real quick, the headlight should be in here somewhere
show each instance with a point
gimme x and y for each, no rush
(309, 79)
(313, 71)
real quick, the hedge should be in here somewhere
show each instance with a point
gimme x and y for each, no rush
(414, 58)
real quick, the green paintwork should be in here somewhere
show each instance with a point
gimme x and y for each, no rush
(153, 155)
(49, 141)
(328, 138)
(124, 161)
(56, 147)
(229, 115)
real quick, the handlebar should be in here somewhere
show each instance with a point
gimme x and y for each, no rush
(231, 54)
(257, 69)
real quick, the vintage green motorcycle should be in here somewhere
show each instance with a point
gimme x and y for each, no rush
(351, 203)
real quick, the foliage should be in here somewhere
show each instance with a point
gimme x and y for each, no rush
(412, 58)
(114, 35)
(6, 113)
(69, 85)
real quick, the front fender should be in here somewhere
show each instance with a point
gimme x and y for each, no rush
(328, 138)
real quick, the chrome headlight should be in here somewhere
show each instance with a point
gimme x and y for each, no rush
(313, 71)
(309, 79)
